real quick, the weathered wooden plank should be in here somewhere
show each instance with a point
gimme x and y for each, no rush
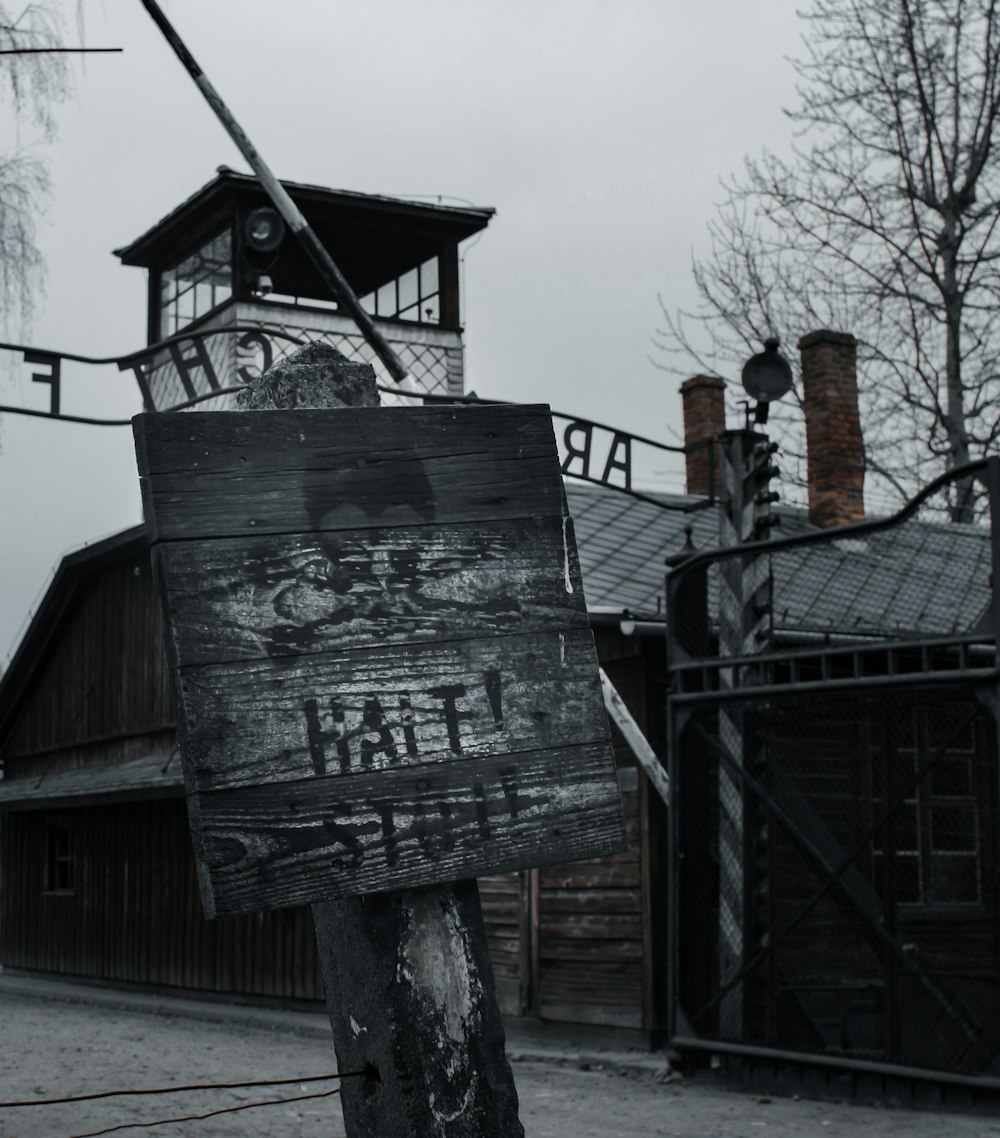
(623, 872)
(592, 901)
(385, 709)
(508, 991)
(598, 973)
(468, 488)
(591, 927)
(240, 598)
(504, 942)
(253, 441)
(506, 884)
(605, 1015)
(339, 836)
(576, 948)
(593, 992)
(505, 949)
(339, 475)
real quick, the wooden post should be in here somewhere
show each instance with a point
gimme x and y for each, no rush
(409, 980)
(410, 995)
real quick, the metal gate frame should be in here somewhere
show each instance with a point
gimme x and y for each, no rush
(699, 678)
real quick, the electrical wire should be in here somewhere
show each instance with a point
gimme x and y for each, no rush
(57, 50)
(178, 1090)
(208, 1114)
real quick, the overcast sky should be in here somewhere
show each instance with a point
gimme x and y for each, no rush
(599, 131)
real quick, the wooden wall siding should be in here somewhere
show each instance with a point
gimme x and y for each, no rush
(504, 899)
(136, 916)
(105, 677)
(590, 967)
(592, 958)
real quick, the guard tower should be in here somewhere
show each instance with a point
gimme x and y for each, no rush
(226, 278)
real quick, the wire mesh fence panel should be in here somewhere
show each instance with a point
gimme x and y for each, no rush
(435, 367)
(834, 843)
(227, 352)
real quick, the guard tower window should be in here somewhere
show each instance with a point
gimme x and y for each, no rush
(197, 284)
(414, 296)
(60, 861)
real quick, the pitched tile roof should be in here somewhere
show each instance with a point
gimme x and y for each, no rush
(915, 578)
(623, 542)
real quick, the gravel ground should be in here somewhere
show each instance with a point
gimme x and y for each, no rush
(50, 1048)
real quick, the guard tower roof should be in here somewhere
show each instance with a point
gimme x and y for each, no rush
(371, 237)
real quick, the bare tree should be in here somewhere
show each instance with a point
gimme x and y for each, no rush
(33, 78)
(884, 223)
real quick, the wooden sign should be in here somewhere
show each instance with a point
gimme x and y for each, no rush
(383, 668)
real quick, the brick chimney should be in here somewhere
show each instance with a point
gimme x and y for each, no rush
(704, 403)
(835, 459)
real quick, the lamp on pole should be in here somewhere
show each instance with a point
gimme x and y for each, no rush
(766, 376)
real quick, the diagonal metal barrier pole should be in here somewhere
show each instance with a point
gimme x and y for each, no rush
(292, 215)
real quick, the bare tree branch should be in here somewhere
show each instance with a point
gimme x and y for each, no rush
(34, 78)
(883, 223)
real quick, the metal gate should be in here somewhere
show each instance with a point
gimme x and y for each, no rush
(834, 858)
